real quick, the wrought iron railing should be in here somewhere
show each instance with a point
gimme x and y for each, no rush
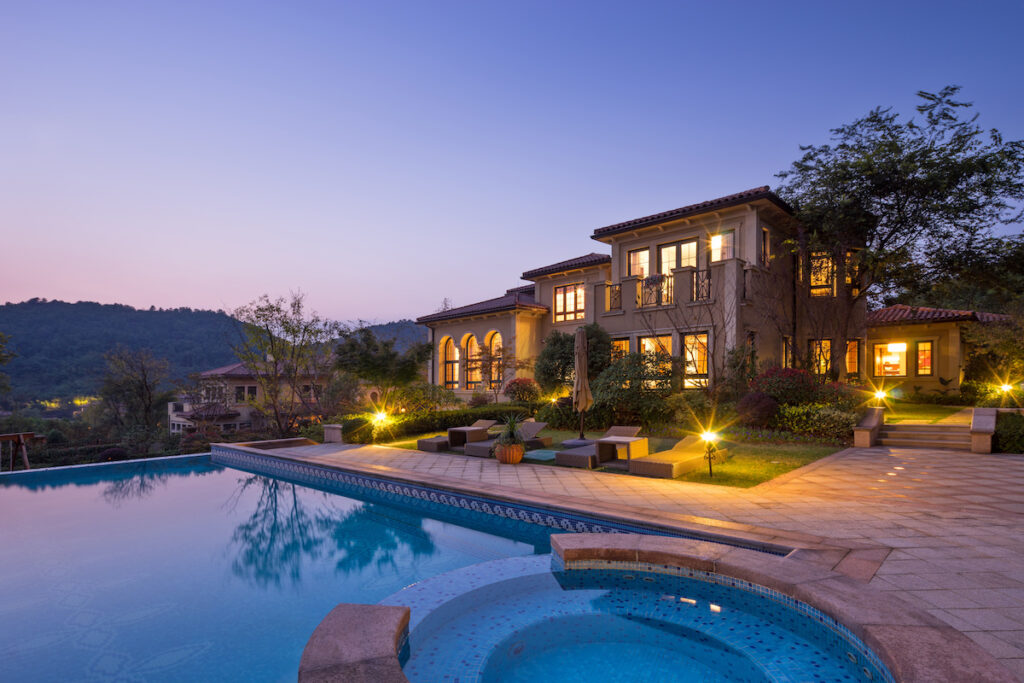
(655, 290)
(701, 285)
(613, 297)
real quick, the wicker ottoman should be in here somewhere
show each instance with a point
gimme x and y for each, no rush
(435, 444)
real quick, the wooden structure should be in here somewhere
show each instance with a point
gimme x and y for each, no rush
(17, 441)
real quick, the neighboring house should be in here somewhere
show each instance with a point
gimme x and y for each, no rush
(225, 400)
(920, 348)
(694, 282)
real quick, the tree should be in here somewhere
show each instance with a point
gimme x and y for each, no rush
(134, 394)
(288, 354)
(376, 362)
(5, 357)
(887, 192)
(556, 363)
(497, 367)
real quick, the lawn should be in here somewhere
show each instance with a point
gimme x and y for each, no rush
(897, 411)
(749, 464)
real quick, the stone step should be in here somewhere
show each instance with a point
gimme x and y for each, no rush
(951, 429)
(925, 436)
(964, 445)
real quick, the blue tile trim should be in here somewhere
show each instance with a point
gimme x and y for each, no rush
(564, 521)
(866, 658)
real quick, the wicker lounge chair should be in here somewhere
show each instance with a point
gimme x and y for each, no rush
(460, 436)
(587, 456)
(528, 430)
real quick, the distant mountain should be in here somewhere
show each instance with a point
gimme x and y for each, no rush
(60, 345)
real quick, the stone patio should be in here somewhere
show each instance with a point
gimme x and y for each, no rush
(943, 530)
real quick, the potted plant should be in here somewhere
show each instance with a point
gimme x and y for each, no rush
(509, 445)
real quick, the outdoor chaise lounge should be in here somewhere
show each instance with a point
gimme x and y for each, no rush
(590, 456)
(460, 436)
(528, 430)
(686, 456)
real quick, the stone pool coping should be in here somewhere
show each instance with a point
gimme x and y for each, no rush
(915, 646)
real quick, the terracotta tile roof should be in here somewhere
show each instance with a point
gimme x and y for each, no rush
(901, 314)
(524, 289)
(763, 192)
(513, 300)
(591, 259)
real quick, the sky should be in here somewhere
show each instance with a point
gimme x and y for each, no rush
(381, 156)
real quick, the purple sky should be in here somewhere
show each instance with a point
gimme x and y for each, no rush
(381, 156)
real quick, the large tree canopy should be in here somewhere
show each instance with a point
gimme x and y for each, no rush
(900, 189)
(556, 363)
(376, 361)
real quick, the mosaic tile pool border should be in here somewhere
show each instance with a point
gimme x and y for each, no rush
(270, 465)
(864, 654)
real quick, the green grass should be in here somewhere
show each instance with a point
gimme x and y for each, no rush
(898, 411)
(751, 464)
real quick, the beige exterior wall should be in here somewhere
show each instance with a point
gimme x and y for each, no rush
(947, 356)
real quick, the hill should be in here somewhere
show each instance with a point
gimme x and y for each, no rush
(60, 345)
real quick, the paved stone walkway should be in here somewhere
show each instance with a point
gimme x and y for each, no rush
(954, 521)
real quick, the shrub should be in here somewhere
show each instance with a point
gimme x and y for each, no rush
(421, 396)
(788, 386)
(691, 409)
(356, 429)
(556, 362)
(56, 437)
(817, 419)
(479, 399)
(313, 430)
(437, 421)
(522, 390)
(757, 409)
(633, 389)
(114, 453)
(1009, 436)
(840, 396)
(562, 416)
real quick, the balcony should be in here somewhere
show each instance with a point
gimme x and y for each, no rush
(613, 297)
(654, 290)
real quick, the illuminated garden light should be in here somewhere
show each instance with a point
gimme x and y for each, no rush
(710, 437)
(1006, 388)
(380, 417)
(880, 395)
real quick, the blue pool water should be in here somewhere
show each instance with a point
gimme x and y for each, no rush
(519, 621)
(181, 570)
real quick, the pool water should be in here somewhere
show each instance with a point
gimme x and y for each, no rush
(178, 569)
(519, 621)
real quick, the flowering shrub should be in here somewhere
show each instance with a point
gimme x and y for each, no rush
(788, 386)
(522, 390)
(757, 409)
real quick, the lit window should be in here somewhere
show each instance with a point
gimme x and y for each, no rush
(620, 348)
(569, 304)
(721, 246)
(639, 262)
(822, 274)
(891, 359)
(659, 344)
(472, 363)
(852, 276)
(821, 356)
(924, 358)
(496, 361)
(450, 363)
(766, 247)
(852, 357)
(661, 371)
(787, 352)
(695, 360)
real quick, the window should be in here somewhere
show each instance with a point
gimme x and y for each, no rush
(213, 393)
(721, 246)
(677, 255)
(569, 304)
(179, 407)
(852, 274)
(659, 344)
(472, 363)
(695, 360)
(496, 361)
(924, 359)
(891, 359)
(821, 356)
(852, 357)
(639, 262)
(787, 352)
(245, 392)
(620, 348)
(450, 364)
(822, 274)
(766, 247)
(660, 372)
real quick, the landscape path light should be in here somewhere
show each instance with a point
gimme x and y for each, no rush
(710, 448)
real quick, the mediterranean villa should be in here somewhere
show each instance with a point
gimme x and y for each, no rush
(696, 282)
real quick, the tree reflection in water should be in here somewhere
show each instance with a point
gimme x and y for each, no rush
(283, 531)
(138, 486)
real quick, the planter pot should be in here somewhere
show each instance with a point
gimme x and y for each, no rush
(509, 455)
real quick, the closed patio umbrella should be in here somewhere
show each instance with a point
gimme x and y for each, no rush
(582, 399)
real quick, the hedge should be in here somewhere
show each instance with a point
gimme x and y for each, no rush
(817, 419)
(1009, 436)
(361, 429)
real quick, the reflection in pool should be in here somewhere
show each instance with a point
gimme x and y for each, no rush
(178, 569)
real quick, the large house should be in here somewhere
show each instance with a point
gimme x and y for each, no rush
(695, 282)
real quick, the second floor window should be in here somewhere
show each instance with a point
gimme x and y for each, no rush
(569, 303)
(766, 247)
(822, 274)
(720, 246)
(639, 263)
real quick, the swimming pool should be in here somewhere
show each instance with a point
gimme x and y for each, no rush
(181, 569)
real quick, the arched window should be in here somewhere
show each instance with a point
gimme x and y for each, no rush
(450, 363)
(472, 363)
(497, 369)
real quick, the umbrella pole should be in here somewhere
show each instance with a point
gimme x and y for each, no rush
(581, 424)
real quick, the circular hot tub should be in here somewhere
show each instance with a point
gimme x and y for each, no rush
(522, 620)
